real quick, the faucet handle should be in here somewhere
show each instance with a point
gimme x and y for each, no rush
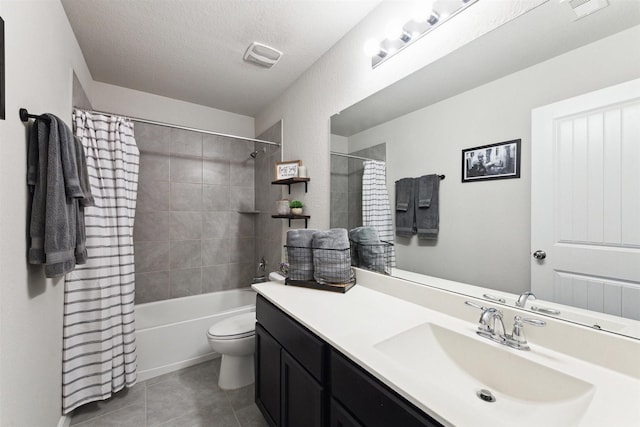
(474, 305)
(517, 339)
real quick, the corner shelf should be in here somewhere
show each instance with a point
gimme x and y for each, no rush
(290, 181)
(290, 217)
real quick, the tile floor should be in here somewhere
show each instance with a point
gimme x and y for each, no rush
(186, 398)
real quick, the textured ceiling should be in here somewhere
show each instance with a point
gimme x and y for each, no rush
(192, 49)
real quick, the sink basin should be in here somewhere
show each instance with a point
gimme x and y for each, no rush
(460, 365)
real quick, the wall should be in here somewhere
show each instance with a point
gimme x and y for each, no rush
(190, 235)
(120, 100)
(344, 76)
(485, 226)
(41, 55)
(268, 230)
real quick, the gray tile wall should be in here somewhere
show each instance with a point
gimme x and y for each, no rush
(190, 234)
(339, 215)
(346, 186)
(268, 230)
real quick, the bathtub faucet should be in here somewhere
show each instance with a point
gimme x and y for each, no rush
(262, 266)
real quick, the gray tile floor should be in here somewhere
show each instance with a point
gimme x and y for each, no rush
(186, 398)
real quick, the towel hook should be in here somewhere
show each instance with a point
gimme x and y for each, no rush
(25, 116)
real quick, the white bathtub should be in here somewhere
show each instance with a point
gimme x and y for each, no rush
(171, 334)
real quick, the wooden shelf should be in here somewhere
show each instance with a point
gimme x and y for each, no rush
(290, 181)
(290, 217)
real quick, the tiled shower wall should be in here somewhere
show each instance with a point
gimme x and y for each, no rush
(191, 235)
(346, 186)
(268, 230)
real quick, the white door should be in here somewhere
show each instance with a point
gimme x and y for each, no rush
(585, 201)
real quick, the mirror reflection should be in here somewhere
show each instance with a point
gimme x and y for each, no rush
(484, 94)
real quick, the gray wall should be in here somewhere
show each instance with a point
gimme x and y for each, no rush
(190, 234)
(346, 186)
(268, 230)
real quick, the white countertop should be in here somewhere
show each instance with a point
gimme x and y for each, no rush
(354, 322)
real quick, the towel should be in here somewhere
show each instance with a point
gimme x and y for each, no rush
(405, 206)
(427, 217)
(369, 250)
(331, 256)
(404, 194)
(299, 254)
(53, 176)
(425, 190)
(87, 200)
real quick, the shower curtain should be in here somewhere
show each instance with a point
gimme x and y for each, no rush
(376, 211)
(99, 349)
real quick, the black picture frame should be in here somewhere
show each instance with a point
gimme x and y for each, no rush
(493, 161)
(2, 91)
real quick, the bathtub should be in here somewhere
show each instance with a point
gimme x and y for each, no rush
(171, 334)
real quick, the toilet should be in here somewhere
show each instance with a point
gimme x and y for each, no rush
(234, 339)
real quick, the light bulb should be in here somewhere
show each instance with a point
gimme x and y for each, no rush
(371, 47)
(394, 30)
(422, 10)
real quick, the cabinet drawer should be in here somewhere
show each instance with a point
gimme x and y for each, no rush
(370, 401)
(303, 345)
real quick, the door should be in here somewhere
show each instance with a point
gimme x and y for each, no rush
(267, 387)
(302, 398)
(585, 198)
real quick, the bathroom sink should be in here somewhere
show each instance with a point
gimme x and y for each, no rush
(460, 365)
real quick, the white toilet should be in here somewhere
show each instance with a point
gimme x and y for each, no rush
(234, 338)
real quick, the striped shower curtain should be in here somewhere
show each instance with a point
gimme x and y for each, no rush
(376, 210)
(99, 349)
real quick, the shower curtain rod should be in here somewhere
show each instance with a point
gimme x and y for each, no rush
(170, 125)
(351, 156)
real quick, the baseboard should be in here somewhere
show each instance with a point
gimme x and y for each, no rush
(65, 421)
(151, 373)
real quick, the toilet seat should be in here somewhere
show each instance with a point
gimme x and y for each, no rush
(233, 328)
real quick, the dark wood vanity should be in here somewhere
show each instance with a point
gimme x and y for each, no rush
(302, 381)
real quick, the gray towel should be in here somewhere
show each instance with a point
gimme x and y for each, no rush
(299, 254)
(404, 194)
(370, 251)
(53, 177)
(331, 256)
(425, 190)
(87, 200)
(428, 218)
(405, 217)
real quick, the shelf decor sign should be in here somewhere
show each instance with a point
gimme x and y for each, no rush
(286, 170)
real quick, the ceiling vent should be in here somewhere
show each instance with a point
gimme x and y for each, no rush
(581, 8)
(262, 55)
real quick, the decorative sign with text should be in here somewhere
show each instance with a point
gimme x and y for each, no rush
(286, 170)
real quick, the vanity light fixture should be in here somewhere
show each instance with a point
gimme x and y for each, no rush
(426, 16)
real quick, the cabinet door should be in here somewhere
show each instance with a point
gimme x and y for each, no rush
(340, 417)
(267, 387)
(302, 398)
(373, 403)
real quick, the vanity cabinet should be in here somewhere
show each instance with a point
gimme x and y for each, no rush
(290, 370)
(301, 381)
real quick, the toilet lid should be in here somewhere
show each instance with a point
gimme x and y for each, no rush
(239, 326)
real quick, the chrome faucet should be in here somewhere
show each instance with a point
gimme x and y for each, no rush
(522, 299)
(491, 326)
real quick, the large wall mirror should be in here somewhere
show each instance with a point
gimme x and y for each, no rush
(481, 94)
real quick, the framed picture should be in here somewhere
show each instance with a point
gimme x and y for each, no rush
(2, 106)
(289, 169)
(494, 161)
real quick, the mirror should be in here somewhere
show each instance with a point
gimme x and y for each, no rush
(483, 94)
